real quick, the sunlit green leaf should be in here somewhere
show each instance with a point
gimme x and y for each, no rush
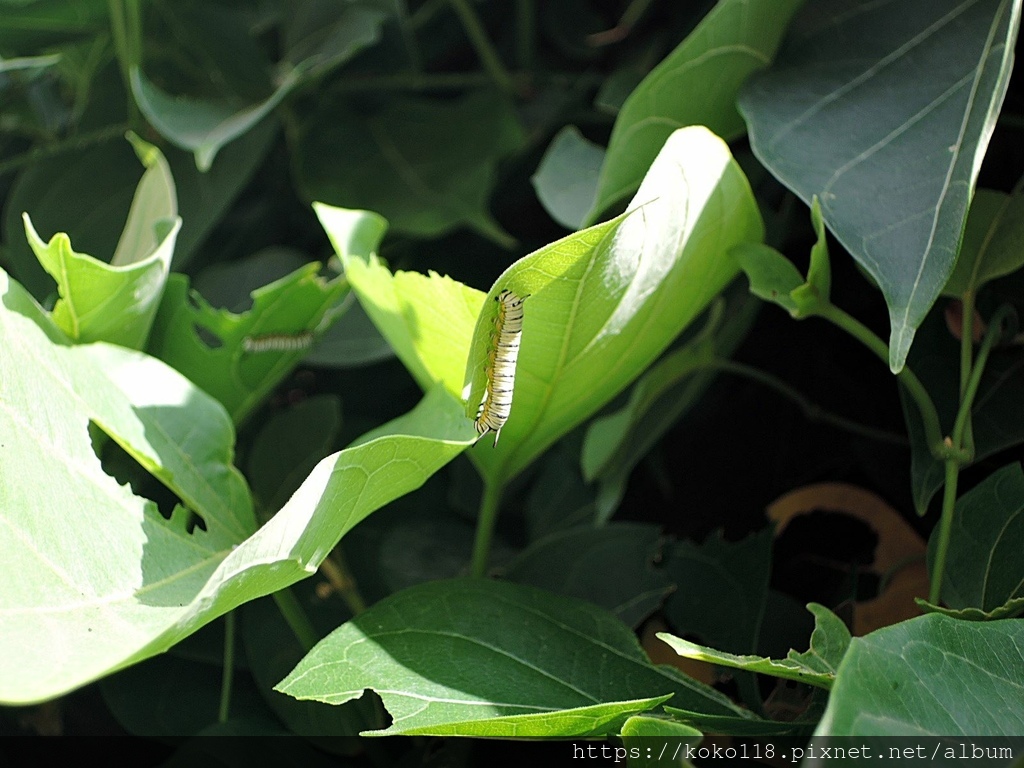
(97, 578)
(210, 345)
(427, 319)
(696, 84)
(86, 193)
(605, 302)
(117, 302)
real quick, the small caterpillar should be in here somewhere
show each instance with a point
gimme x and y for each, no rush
(278, 342)
(501, 372)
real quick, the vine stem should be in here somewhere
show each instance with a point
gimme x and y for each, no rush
(945, 530)
(939, 448)
(335, 570)
(126, 31)
(962, 428)
(488, 517)
(482, 45)
(296, 618)
(82, 141)
(995, 329)
(228, 674)
(811, 410)
(405, 27)
(525, 23)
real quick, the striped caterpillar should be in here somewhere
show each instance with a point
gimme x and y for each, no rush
(501, 371)
(278, 342)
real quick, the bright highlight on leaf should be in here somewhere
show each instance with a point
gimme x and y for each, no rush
(606, 301)
(97, 578)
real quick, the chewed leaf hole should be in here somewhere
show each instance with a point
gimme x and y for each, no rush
(120, 465)
(208, 337)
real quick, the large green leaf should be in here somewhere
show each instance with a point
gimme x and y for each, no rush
(171, 697)
(288, 445)
(721, 592)
(605, 302)
(201, 126)
(96, 578)
(933, 675)
(117, 302)
(320, 34)
(426, 166)
(611, 566)
(86, 193)
(210, 345)
(696, 84)
(993, 243)
(485, 658)
(884, 111)
(272, 650)
(984, 568)
(427, 319)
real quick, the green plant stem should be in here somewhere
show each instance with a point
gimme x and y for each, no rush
(945, 530)
(335, 570)
(457, 81)
(525, 23)
(426, 12)
(929, 415)
(126, 31)
(634, 11)
(482, 45)
(485, 522)
(228, 674)
(412, 49)
(119, 34)
(992, 335)
(962, 429)
(296, 619)
(82, 141)
(966, 338)
(811, 411)
(966, 352)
